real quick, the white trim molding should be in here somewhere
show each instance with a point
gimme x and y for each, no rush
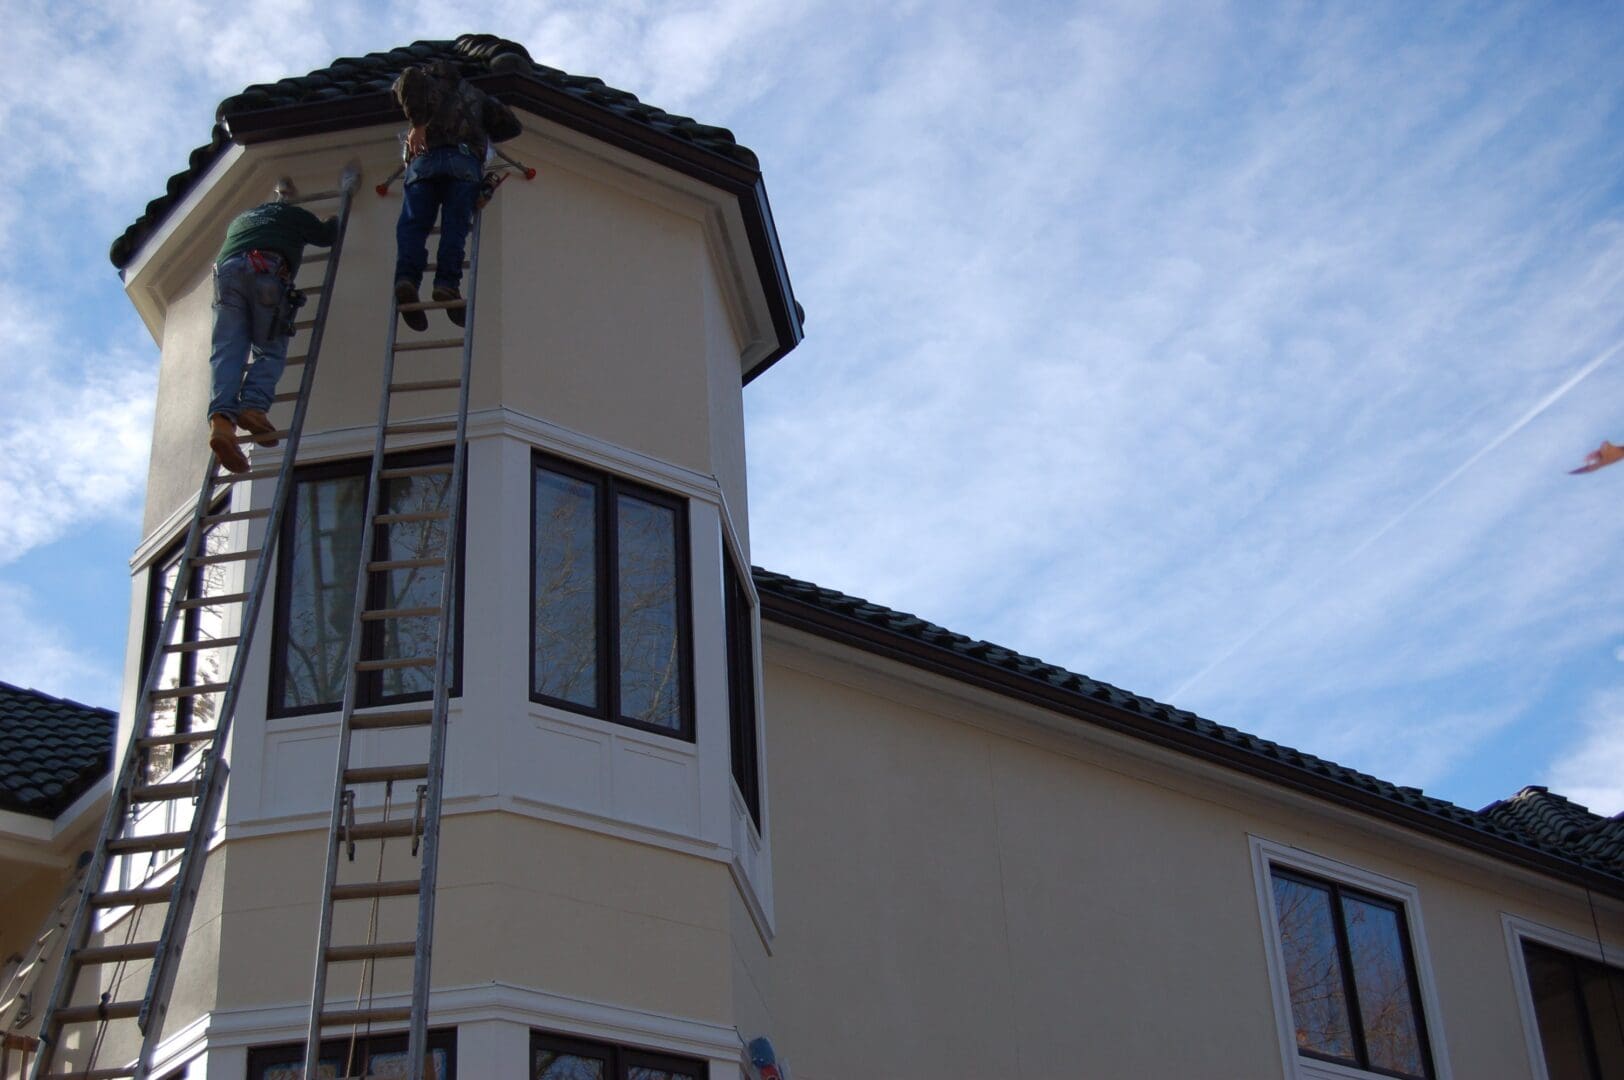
(1268, 853)
(1519, 930)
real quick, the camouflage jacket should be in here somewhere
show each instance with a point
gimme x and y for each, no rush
(452, 112)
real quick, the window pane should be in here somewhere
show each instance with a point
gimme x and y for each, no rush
(321, 588)
(392, 1065)
(211, 665)
(1319, 1007)
(641, 1072)
(166, 712)
(1603, 989)
(1557, 1008)
(742, 696)
(565, 665)
(415, 587)
(556, 1065)
(650, 675)
(1382, 981)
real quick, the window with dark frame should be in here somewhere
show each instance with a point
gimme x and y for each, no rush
(377, 1056)
(317, 560)
(1351, 975)
(559, 1057)
(1579, 1006)
(741, 691)
(609, 595)
(190, 668)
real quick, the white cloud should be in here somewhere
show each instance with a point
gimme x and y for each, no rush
(1591, 769)
(39, 654)
(75, 431)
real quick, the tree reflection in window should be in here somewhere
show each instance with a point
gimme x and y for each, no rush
(315, 604)
(1350, 976)
(558, 1057)
(192, 668)
(609, 599)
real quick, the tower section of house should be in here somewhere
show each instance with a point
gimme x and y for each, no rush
(604, 872)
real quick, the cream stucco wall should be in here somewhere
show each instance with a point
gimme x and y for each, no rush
(968, 888)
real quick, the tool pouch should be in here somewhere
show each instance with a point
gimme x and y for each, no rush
(288, 310)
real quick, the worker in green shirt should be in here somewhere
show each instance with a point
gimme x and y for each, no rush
(253, 280)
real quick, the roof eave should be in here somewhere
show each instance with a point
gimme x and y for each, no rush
(736, 178)
(900, 647)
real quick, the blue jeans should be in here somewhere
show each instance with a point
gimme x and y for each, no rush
(245, 320)
(441, 182)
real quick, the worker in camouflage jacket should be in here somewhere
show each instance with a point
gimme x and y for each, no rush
(452, 124)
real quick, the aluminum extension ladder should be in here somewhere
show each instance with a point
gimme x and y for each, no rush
(365, 660)
(141, 790)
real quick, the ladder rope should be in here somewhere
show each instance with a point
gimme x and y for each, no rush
(368, 981)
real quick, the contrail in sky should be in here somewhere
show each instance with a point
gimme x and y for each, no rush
(1523, 421)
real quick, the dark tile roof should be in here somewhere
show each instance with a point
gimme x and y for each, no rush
(51, 750)
(348, 79)
(1534, 827)
(1552, 820)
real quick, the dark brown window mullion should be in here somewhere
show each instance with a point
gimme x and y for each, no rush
(1356, 1019)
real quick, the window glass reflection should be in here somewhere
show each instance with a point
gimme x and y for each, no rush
(565, 605)
(650, 687)
(1319, 1006)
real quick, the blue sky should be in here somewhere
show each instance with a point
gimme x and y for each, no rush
(1232, 353)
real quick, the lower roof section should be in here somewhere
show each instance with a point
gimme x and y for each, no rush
(1534, 828)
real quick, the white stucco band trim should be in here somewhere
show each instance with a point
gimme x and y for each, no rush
(1518, 930)
(219, 1033)
(1267, 853)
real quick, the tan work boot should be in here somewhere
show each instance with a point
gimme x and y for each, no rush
(223, 441)
(257, 424)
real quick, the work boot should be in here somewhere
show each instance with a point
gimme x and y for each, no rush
(223, 441)
(406, 293)
(458, 314)
(257, 424)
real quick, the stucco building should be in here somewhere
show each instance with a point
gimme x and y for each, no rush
(890, 849)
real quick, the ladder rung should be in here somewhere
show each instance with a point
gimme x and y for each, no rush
(174, 738)
(319, 196)
(377, 830)
(204, 645)
(403, 564)
(383, 950)
(425, 384)
(316, 257)
(377, 774)
(131, 897)
(169, 841)
(189, 691)
(213, 601)
(279, 433)
(291, 395)
(113, 954)
(395, 664)
(398, 613)
(414, 515)
(244, 477)
(235, 515)
(423, 428)
(419, 346)
(93, 1074)
(430, 305)
(415, 470)
(112, 1010)
(369, 890)
(295, 361)
(435, 265)
(346, 1017)
(225, 557)
(303, 324)
(398, 718)
(180, 789)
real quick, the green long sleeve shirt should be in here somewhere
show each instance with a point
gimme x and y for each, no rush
(277, 227)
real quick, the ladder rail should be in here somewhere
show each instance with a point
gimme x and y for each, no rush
(352, 657)
(417, 1015)
(166, 967)
(166, 963)
(417, 1036)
